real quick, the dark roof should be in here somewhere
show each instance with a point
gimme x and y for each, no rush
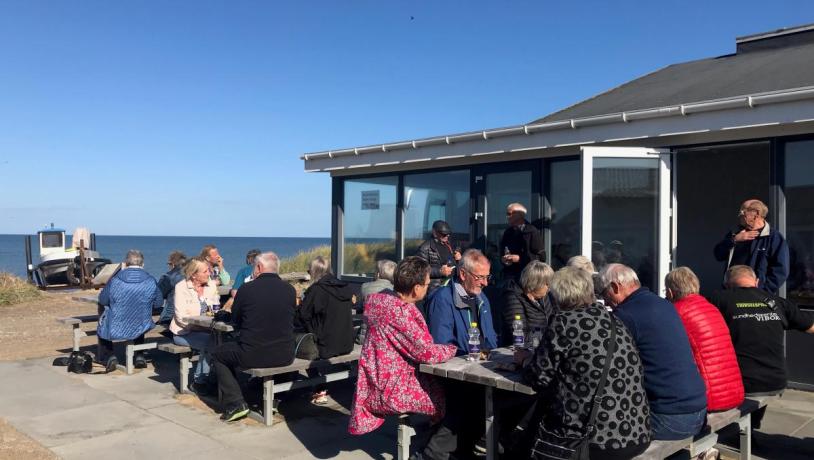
(779, 64)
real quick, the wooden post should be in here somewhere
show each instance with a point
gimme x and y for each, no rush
(29, 266)
(83, 280)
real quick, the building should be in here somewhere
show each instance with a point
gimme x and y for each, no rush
(650, 173)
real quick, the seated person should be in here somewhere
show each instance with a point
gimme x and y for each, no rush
(757, 321)
(566, 373)
(176, 261)
(263, 317)
(675, 389)
(709, 338)
(217, 273)
(194, 296)
(527, 299)
(398, 341)
(327, 312)
(126, 309)
(383, 281)
(585, 263)
(244, 275)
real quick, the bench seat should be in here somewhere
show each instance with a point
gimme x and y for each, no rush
(184, 362)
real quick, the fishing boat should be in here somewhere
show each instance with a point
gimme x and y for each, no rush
(61, 264)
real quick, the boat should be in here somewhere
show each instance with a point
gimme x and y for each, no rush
(61, 264)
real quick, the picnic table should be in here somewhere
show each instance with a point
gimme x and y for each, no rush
(492, 373)
(209, 322)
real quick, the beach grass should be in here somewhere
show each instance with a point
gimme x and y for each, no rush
(299, 262)
(15, 290)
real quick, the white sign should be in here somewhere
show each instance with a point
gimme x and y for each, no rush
(370, 199)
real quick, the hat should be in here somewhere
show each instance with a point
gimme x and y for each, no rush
(442, 227)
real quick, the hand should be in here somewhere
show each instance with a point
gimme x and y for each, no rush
(220, 262)
(457, 255)
(521, 355)
(745, 235)
(445, 270)
(509, 259)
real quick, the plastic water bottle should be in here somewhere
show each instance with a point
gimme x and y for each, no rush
(517, 333)
(474, 342)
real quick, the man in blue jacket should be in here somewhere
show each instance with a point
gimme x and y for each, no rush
(675, 390)
(753, 243)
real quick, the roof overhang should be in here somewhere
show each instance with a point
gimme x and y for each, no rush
(781, 112)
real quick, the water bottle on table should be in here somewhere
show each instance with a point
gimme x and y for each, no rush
(474, 342)
(518, 336)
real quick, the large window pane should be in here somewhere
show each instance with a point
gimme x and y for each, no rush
(501, 189)
(799, 191)
(625, 215)
(564, 199)
(435, 196)
(369, 224)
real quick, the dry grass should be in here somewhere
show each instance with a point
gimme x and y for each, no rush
(15, 290)
(300, 261)
(360, 258)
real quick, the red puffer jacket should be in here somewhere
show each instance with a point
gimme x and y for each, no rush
(713, 352)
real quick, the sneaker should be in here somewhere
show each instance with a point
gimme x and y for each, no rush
(111, 364)
(480, 446)
(139, 362)
(320, 398)
(237, 412)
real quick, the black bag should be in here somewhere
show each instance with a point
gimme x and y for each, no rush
(306, 346)
(551, 446)
(80, 362)
(223, 316)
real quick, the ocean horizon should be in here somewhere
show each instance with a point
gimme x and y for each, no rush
(233, 249)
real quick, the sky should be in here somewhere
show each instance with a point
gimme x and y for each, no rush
(189, 117)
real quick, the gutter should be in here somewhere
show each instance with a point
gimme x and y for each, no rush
(682, 110)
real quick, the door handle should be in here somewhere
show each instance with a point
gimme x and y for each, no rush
(478, 215)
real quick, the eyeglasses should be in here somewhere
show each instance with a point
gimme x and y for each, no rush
(748, 212)
(486, 278)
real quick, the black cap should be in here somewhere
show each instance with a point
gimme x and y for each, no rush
(441, 227)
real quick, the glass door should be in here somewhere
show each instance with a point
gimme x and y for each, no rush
(495, 187)
(626, 210)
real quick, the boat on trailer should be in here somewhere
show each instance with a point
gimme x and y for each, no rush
(61, 264)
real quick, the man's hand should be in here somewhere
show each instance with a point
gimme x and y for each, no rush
(509, 259)
(445, 270)
(220, 262)
(745, 235)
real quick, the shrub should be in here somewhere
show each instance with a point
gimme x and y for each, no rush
(15, 290)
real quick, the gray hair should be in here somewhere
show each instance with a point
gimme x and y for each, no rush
(516, 207)
(269, 261)
(385, 268)
(572, 288)
(134, 258)
(682, 282)
(319, 267)
(535, 276)
(471, 258)
(618, 273)
(736, 272)
(581, 262)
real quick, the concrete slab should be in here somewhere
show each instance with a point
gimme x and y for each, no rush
(86, 422)
(138, 389)
(161, 440)
(19, 400)
(198, 420)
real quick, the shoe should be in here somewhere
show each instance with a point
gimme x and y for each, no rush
(320, 398)
(237, 412)
(111, 364)
(710, 454)
(139, 362)
(480, 446)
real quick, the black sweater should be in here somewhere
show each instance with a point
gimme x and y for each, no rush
(326, 311)
(515, 302)
(263, 314)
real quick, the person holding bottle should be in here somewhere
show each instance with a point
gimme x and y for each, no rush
(439, 252)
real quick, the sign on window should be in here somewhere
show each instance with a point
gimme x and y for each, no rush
(370, 199)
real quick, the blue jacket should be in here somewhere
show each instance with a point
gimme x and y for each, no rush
(768, 257)
(129, 299)
(450, 324)
(671, 378)
(166, 284)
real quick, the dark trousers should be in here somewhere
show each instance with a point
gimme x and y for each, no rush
(463, 423)
(225, 359)
(106, 347)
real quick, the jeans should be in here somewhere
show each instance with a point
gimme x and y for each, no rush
(197, 340)
(673, 427)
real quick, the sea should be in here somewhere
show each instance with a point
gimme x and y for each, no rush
(157, 248)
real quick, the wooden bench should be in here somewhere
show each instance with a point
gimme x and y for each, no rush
(75, 322)
(708, 437)
(185, 359)
(269, 388)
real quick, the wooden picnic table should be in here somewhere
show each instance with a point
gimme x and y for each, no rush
(219, 327)
(491, 375)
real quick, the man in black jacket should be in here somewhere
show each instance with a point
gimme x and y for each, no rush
(439, 253)
(521, 242)
(263, 314)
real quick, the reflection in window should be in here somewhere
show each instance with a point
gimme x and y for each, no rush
(435, 196)
(501, 190)
(625, 215)
(564, 199)
(799, 189)
(369, 224)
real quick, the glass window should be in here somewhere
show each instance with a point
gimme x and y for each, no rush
(502, 189)
(799, 188)
(52, 240)
(564, 200)
(369, 224)
(625, 215)
(435, 196)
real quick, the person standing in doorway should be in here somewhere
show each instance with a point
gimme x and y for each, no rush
(439, 253)
(521, 242)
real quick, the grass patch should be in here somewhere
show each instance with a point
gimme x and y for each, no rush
(15, 290)
(300, 261)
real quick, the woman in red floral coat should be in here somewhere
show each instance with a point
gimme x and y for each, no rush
(397, 342)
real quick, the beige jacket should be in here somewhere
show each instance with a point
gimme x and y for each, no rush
(187, 304)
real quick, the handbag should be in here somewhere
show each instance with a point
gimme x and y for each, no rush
(551, 446)
(80, 362)
(306, 346)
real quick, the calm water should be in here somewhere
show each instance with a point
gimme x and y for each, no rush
(156, 248)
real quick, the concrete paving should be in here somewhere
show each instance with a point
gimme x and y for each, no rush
(141, 416)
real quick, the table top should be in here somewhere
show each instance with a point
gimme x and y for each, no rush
(206, 321)
(482, 372)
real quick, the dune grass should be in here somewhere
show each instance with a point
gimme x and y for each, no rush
(15, 290)
(360, 258)
(299, 262)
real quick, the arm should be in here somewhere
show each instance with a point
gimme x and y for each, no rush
(537, 247)
(237, 306)
(158, 298)
(165, 285)
(409, 338)
(441, 327)
(778, 266)
(424, 253)
(224, 277)
(723, 247)
(104, 296)
(306, 311)
(184, 305)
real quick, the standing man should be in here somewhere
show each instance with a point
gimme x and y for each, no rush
(438, 252)
(218, 274)
(677, 394)
(521, 242)
(756, 321)
(263, 315)
(755, 244)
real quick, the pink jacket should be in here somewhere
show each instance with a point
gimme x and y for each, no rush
(389, 383)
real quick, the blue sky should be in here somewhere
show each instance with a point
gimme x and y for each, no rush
(188, 117)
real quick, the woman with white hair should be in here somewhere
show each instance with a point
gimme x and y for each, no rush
(528, 299)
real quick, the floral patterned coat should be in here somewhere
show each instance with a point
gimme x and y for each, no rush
(397, 342)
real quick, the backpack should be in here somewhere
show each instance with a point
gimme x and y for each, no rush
(80, 362)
